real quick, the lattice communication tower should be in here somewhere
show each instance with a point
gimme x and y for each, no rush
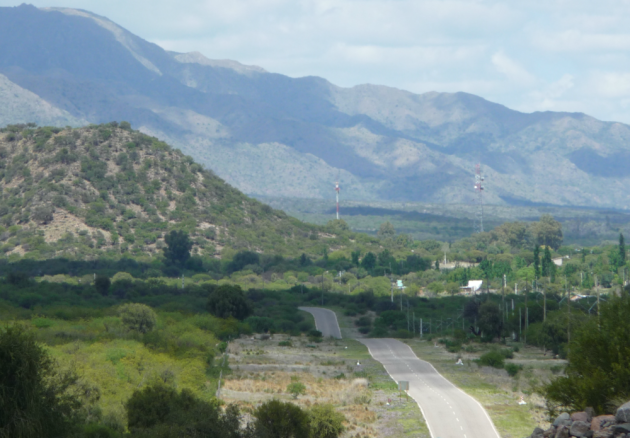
(479, 188)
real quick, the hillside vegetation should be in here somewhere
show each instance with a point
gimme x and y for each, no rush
(110, 190)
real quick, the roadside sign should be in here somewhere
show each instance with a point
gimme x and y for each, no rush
(403, 385)
(399, 283)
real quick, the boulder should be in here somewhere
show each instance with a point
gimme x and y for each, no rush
(563, 419)
(550, 433)
(537, 433)
(623, 413)
(604, 433)
(579, 428)
(601, 421)
(580, 416)
(621, 428)
(562, 432)
(590, 412)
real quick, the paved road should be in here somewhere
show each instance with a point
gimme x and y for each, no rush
(449, 412)
(325, 321)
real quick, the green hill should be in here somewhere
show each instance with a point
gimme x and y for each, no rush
(110, 191)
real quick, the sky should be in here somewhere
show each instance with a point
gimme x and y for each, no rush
(534, 55)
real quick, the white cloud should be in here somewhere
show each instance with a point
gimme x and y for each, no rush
(512, 70)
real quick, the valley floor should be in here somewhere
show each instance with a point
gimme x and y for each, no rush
(262, 370)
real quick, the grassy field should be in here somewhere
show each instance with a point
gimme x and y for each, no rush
(263, 368)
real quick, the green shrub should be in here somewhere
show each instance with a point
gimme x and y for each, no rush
(229, 301)
(160, 411)
(493, 359)
(296, 388)
(276, 419)
(325, 422)
(513, 369)
(285, 344)
(138, 317)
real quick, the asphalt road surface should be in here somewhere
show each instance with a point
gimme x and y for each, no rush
(449, 412)
(325, 321)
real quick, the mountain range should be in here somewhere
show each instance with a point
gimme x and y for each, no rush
(269, 134)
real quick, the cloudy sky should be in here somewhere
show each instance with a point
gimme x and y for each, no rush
(529, 55)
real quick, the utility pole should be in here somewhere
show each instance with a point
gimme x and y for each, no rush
(520, 324)
(421, 328)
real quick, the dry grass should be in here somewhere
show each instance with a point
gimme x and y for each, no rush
(262, 370)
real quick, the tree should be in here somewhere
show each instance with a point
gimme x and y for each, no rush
(598, 371)
(490, 320)
(355, 257)
(369, 261)
(276, 419)
(102, 284)
(326, 422)
(160, 411)
(546, 263)
(138, 317)
(436, 287)
(304, 260)
(296, 388)
(386, 230)
(36, 400)
(622, 251)
(452, 287)
(229, 301)
(178, 246)
(548, 232)
(242, 259)
(537, 261)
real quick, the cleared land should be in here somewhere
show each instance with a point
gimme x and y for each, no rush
(262, 370)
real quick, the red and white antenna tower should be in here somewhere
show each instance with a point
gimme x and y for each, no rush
(479, 189)
(337, 193)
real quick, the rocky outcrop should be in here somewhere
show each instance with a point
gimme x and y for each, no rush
(585, 425)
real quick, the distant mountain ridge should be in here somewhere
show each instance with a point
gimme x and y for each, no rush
(268, 134)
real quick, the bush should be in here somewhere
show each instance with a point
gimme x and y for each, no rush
(160, 411)
(229, 301)
(493, 359)
(326, 422)
(513, 369)
(138, 317)
(296, 388)
(276, 419)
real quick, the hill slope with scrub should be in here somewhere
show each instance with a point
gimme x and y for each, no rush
(110, 190)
